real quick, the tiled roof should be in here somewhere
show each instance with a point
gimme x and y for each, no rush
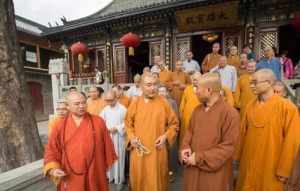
(29, 26)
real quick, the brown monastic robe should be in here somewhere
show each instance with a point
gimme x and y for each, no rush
(213, 136)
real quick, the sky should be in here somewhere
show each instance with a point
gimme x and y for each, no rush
(44, 11)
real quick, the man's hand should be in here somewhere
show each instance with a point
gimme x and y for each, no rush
(185, 153)
(160, 141)
(282, 179)
(57, 172)
(134, 142)
(191, 160)
(113, 130)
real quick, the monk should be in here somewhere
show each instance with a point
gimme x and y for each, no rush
(165, 77)
(211, 60)
(79, 151)
(269, 137)
(233, 58)
(227, 95)
(279, 89)
(209, 144)
(188, 103)
(243, 64)
(244, 94)
(151, 127)
(61, 112)
(179, 81)
(122, 99)
(95, 103)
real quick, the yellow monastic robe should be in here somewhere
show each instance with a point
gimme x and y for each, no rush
(189, 102)
(243, 94)
(269, 143)
(148, 121)
(165, 78)
(234, 61)
(95, 106)
(210, 61)
(124, 100)
(177, 91)
(228, 97)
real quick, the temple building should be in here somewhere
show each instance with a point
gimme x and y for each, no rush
(169, 28)
(37, 52)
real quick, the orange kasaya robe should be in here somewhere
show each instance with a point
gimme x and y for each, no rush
(176, 90)
(165, 78)
(243, 94)
(234, 61)
(228, 97)
(189, 102)
(124, 100)
(85, 153)
(148, 121)
(269, 144)
(210, 61)
(53, 123)
(95, 106)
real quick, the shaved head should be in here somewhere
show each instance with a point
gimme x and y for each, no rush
(279, 88)
(212, 81)
(110, 97)
(195, 77)
(149, 85)
(266, 74)
(262, 82)
(76, 103)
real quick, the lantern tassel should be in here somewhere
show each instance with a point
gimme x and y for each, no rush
(131, 51)
(80, 58)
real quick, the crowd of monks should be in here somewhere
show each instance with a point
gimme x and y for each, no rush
(227, 126)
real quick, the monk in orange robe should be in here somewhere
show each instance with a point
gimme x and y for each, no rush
(227, 95)
(61, 112)
(151, 127)
(165, 77)
(279, 89)
(80, 150)
(122, 99)
(233, 58)
(209, 144)
(270, 137)
(179, 81)
(243, 64)
(188, 103)
(244, 94)
(211, 60)
(95, 103)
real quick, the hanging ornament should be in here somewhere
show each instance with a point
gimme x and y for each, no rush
(131, 41)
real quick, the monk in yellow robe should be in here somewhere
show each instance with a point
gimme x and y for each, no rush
(188, 103)
(270, 137)
(61, 112)
(151, 127)
(122, 99)
(179, 82)
(95, 103)
(244, 94)
(80, 150)
(211, 60)
(233, 58)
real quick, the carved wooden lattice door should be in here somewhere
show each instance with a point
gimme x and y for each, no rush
(231, 39)
(182, 45)
(119, 64)
(156, 49)
(267, 38)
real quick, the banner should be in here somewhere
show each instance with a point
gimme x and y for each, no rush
(222, 15)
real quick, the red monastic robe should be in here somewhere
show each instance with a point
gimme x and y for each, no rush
(85, 153)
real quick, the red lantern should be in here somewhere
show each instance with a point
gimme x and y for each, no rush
(296, 21)
(80, 49)
(132, 41)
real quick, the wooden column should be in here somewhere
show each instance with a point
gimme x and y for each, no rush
(38, 56)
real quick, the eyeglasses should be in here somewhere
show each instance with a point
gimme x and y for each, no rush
(254, 82)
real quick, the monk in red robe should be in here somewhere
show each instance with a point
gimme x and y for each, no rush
(79, 151)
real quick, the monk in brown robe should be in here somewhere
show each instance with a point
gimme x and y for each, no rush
(61, 112)
(179, 80)
(151, 127)
(209, 144)
(270, 136)
(211, 60)
(80, 150)
(95, 103)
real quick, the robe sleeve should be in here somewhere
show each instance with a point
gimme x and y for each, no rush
(291, 139)
(215, 157)
(205, 64)
(52, 154)
(183, 102)
(121, 127)
(243, 131)
(237, 94)
(186, 142)
(172, 124)
(129, 121)
(109, 151)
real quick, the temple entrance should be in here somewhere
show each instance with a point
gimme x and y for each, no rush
(201, 47)
(289, 40)
(137, 62)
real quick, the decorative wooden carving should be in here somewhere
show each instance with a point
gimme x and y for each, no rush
(267, 38)
(182, 45)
